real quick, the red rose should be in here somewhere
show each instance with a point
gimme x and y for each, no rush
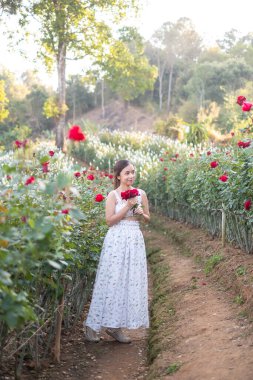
(246, 106)
(45, 167)
(75, 133)
(29, 181)
(243, 144)
(131, 193)
(161, 159)
(191, 155)
(18, 144)
(247, 204)
(77, 174)
(66, 211)
(223, 178)
(99, 198)
(214, 164)
(165, 169)
(111, 176)
(176, 155)
(208, 153)
(51, 153)
(90, 177)
(9, 177)
(240, 100)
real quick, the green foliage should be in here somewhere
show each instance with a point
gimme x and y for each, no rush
(211, 262)
(171, 127)
(41, 248)
(128, 74)
(197, 134)
(173, 368)
(4, 113)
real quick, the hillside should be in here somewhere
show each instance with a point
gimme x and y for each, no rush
(119, 117)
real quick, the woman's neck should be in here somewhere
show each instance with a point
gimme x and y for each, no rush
(124, 187)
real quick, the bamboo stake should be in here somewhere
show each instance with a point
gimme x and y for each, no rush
(223, 226)
(59, 315)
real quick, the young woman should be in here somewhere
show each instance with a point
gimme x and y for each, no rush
(120, 294)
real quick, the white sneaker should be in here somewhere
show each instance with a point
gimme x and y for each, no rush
(118, 335)
(91, 335)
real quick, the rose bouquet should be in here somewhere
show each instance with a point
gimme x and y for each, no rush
(128, 194)
(131, 193)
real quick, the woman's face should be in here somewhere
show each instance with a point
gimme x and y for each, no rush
(127, 175)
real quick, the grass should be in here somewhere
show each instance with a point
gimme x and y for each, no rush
(174, 367)
(211, 262)
(240, 271)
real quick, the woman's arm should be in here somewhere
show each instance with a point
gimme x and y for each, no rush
(144, 210)
(110, 216)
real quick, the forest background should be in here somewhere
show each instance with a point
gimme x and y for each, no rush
(189, 88)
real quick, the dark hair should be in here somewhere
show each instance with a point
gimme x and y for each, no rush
(118, 167)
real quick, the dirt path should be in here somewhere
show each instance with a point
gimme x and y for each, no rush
(197, 332)
(211, 339)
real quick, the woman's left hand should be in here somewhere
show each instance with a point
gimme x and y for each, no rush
(139, 210)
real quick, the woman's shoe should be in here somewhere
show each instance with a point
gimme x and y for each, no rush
(118, 335)
(91, 335)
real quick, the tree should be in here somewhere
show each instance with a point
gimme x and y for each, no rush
(71, 29)
(9, 6)
(125, 67)
(180, 43)
(3, 102)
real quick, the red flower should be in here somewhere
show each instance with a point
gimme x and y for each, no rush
(111, 176)
(131, 193)
(99, 198)
(173, 159)
(214, 164)
(240, 100)
(29, 181)
(84, 172)
(51, 153)
(66, 211)
(232, 134)
(45, 167)
(77, 174)
(90, 177)
(161, 159)
(247, 204)
(246, 106)
(18, 144)
(223, 178)
(9, 177)
(243, 144)
(23, 219)
(176, 155)
(165, 169)
(208, 153)
(75, 133)
(191, 155)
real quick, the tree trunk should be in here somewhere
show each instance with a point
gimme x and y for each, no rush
(61, 71)
(103, 98)
(160, 78)
(169, 89)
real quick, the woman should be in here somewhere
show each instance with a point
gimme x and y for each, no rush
(120, 295)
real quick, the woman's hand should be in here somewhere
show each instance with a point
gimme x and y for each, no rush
(131, 202)
(139, 211)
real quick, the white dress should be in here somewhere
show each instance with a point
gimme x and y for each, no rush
(120, 294)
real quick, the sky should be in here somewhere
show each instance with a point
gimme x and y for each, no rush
(211, 20)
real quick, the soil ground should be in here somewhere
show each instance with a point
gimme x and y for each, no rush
(201, 317)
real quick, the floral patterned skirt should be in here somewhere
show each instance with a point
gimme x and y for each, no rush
(120, 294)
